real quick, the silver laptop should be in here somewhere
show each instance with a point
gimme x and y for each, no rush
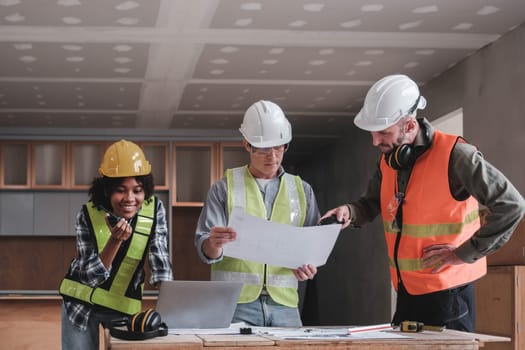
(198, 304)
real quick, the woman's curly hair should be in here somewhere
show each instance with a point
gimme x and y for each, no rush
(103, 187)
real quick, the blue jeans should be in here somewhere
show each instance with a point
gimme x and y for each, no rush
(73, 338)
(264, 312)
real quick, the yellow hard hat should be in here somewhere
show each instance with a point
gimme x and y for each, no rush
(123, 159)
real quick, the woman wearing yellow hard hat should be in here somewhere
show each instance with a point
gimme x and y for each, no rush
(121, 225)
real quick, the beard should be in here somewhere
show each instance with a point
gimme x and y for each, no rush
(387, 149)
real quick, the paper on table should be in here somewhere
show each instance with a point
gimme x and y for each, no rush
(279, 244)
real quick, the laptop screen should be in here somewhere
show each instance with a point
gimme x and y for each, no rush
(198, 304)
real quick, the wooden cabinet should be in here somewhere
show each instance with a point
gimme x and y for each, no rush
(231, 155)
(84, 161)
(15, 165)
(48, 167)
(195, 167)
(157, 154)
(67, 165)
(500, 306)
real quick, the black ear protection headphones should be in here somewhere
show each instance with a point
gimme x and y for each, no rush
(401, 157)
(142, 325)
(404, 156)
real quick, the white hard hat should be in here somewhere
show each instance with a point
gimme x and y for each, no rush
(387, 101)
(265, 125)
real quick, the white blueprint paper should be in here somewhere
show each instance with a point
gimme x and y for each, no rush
(277, 244)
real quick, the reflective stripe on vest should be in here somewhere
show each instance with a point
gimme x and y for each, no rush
(289, 207)
(115, 298)
(430, 216)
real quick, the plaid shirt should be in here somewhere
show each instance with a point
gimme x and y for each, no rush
(92, 272)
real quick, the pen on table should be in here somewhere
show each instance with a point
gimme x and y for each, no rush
(371, 328)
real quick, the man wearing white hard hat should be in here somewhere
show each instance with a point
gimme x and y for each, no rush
(269, 296)
(428, 188)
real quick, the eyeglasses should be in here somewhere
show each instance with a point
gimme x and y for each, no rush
(267, 150)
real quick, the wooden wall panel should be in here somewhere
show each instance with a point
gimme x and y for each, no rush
(186, 262)
(34, 263)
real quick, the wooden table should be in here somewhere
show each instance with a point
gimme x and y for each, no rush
(446, 340)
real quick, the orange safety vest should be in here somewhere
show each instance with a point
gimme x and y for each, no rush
(430, 216)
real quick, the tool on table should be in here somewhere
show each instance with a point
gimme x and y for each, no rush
(414, 327)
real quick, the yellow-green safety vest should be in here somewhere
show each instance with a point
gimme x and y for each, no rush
(289, 207)
(115, 296)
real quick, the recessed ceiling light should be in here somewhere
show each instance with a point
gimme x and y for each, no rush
(220, 61)
(409, 25)
(71, 20)
(411, 64)
(426, 9)
(27, 59)
(128, 21)
(462, 26)
(425, 52)
(297, 24)
(270, 62)
(122, 48)
(217, 71)
(9, 2)
(229, 49)
(70, 47)
(313, 7)
(122, 70)
(251, 6)
(15, 17)
(351, 24)
(374, 52)
(487, 10)
(243, 22)
(325, 52)
(317, 62)
(75, 59)
(363, 63)
(372, 8)
(276, 51)
(68, 3)
(127, 5)
(123, 60)
(23, 46)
